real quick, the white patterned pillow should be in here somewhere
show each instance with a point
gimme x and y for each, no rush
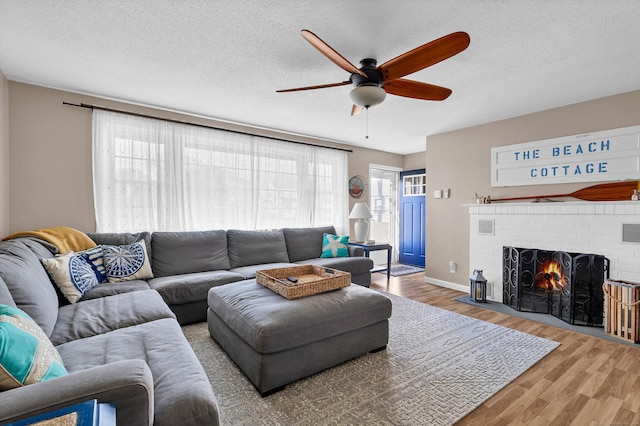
(127, 262)
(95, 257)
(73, 275)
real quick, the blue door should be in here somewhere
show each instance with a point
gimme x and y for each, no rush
(413, 216)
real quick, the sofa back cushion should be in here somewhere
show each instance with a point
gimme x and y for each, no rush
(256, 247)
(122, 238)
(29, 284)
(177, 253)
(5, 295)
(305, 243)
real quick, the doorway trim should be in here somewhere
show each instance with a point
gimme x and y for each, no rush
(395, 224)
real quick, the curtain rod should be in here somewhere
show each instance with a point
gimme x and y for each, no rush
(206, 126)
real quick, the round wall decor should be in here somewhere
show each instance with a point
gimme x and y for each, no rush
(357, 186)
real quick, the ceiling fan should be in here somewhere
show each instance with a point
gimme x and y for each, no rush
(372, 82)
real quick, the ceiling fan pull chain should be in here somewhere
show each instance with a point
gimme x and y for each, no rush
(367, 123)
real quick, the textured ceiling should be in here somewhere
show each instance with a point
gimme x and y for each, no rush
(225, 58)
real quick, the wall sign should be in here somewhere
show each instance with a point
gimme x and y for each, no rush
(599, 156)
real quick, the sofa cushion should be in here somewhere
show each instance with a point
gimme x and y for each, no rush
(122, 238)
(187, 252)
(40, 248)
(109, 289)
(29, 284)
(182, 392)
(72, 274)
(335, 246)
(186, 288)
(5, 295)
(97, 316)
(127, 262)
(305, 243)
(249, 271)
(26, 354)
(353, 265)
(256, 247)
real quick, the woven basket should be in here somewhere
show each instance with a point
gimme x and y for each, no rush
(311, 280)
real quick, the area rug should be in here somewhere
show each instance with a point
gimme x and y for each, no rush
(397, 270)
(438, 367)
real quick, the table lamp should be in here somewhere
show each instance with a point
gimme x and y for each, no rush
(361, 212)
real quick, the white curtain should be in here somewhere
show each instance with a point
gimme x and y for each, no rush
(156, 175)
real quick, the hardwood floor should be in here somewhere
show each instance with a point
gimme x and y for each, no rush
(585, 381)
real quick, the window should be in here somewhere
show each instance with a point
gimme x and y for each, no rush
(414, 185)
(151, 174)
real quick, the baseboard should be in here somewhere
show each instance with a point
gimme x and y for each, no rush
(447, 284)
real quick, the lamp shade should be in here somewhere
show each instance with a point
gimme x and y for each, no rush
(367, 95)
(360, 211)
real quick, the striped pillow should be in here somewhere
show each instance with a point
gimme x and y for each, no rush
(26, 354)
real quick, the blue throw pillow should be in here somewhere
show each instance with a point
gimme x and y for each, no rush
(26, 354)
(73, 275)
(335, 246)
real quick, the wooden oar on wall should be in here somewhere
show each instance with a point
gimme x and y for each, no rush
(616, 191)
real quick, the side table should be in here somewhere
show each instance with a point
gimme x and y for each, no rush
(374, 247)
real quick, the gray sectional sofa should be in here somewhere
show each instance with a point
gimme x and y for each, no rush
(187, 264)
(122, 342)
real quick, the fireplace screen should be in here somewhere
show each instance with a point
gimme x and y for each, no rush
(565, 285)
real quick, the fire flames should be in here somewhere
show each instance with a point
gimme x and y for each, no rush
(550, 277)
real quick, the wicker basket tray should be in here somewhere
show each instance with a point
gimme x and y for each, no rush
(311, 280)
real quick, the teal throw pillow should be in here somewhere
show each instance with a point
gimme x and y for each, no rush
(73, 275)
(26, 354)
(335, 246)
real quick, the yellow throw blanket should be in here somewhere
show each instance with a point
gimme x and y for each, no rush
(65, 239)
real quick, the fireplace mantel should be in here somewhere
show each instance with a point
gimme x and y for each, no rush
(580, 226)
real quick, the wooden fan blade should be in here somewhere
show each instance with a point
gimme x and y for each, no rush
(356, 109)
(416, 90)
(424, 56)
(320, 86)
(616, 191)
(330, 53)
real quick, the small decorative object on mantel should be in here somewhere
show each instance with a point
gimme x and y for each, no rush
(479, 199)
(478, 287)
(635, 196)
(357, 186)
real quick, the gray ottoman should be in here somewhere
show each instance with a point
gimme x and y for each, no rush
(276, 341)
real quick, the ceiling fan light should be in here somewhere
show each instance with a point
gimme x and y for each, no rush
(367, 95)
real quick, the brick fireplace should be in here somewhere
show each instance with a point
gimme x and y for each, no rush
(610, 229)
